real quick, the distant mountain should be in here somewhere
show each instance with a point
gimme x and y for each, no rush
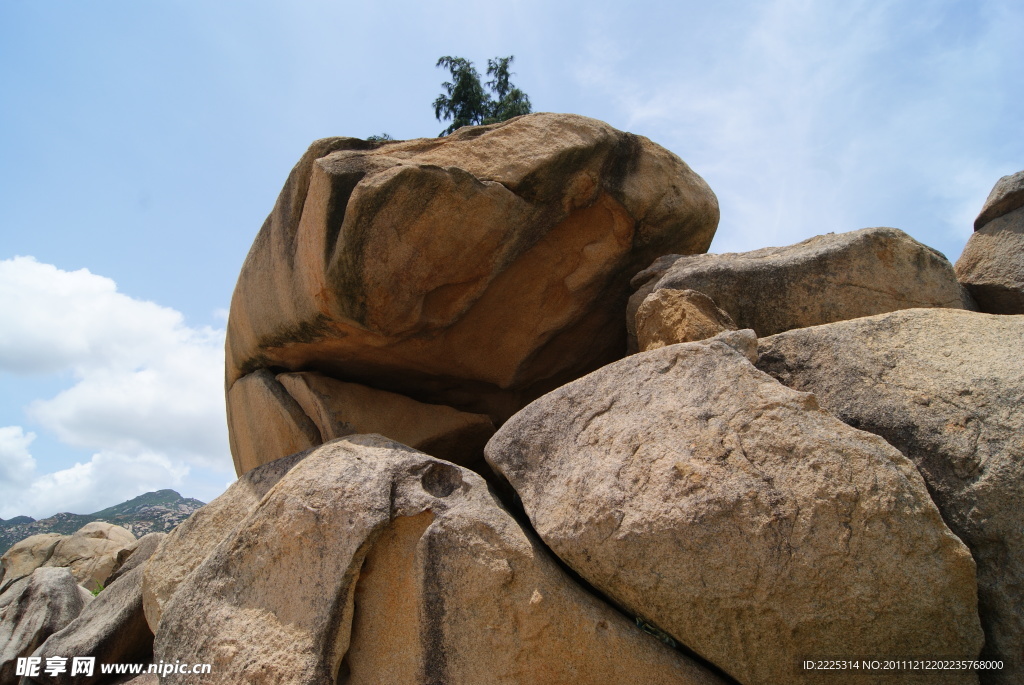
(153, 512)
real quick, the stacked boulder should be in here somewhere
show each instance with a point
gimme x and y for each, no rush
(451, 472)
(992, 265)
(74, 595)
(428, 289)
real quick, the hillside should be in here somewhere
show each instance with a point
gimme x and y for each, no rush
(149, 513)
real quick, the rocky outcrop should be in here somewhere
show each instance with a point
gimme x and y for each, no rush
(667, 317)
(370, 562)
(475, 271)
(992, 264)
(737, 516)
(827, 278)
(946, 387)
(48, 602)
(91, 553)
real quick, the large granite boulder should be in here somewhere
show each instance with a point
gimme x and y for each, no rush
(49, 601)
(475, 271)
(827, 278)
(947, 388)
(992, 264)
(737, 516)
(668, 317)
(369, 562)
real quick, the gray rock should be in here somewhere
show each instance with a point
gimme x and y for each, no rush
(992, 264)
(26, 556)
(738, 517)
(947, 388)
(112, 628)
(49, 601)
(827, 278)
(1006, 196)
(370, 562)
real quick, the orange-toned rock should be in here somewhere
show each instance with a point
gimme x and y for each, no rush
(477, 271)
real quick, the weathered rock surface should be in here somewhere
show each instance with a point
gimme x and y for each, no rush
(370, 562)
(992, 264)
(339, 409)
(191, 542)
(49, 601)
(26, 556)
(947, 388)
(827, 278)
(91, 553)
(265, 422)
(133, 557)
(1006, 196)
(667, 317)
(112, 628)
(476, 271)
(737, 516)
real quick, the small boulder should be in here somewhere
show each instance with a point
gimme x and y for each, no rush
(738, 517)
(827, 278)
(946, 387)
(48, 602)
(667, 317)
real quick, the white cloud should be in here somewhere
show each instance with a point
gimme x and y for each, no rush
(814, 117)
(106, 479)
(147, 394)
(16, 463)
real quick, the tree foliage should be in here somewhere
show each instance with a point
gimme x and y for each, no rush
(467, 103)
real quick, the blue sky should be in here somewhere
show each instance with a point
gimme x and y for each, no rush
(142, 145)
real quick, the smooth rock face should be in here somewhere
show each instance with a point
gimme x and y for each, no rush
(668, 317)
(737, 516)
(339, 409)
(827, 278)
(476, 271)
(1006, 196)
(48, 602)
(26, 556)
(992, 264)
(192, 541)
(91, 552)
(945, 387)
(370, 562)
(112, 628)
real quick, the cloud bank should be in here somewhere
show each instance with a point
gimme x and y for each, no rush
(146, 393)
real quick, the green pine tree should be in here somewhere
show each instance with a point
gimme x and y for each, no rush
(467, 103)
